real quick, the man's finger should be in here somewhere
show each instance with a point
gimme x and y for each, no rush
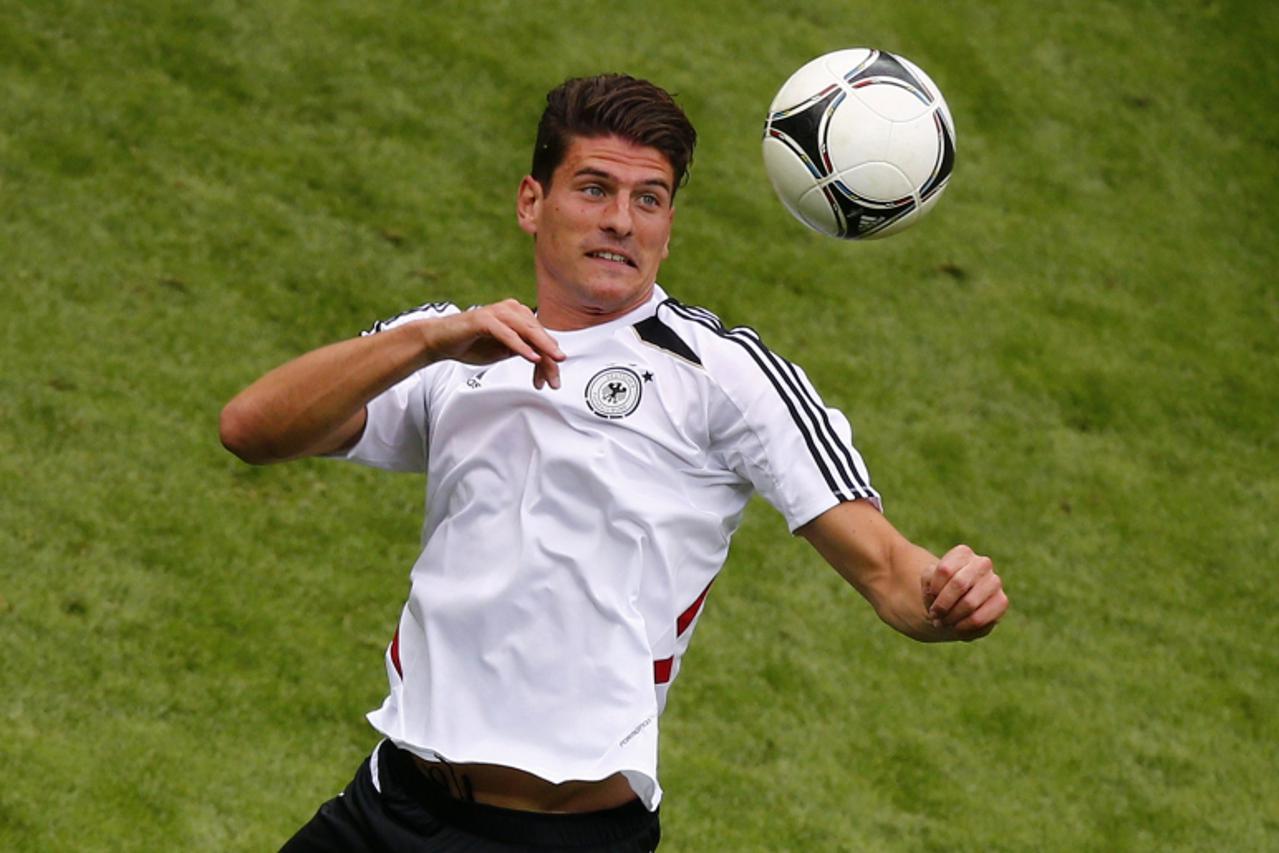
(509, 338)
(548, 368)
(546, 372)
(518, 316)
(959, 585)
(925, 586)
(984, 587)
(986, 617)
(542, 341)
(939, 575)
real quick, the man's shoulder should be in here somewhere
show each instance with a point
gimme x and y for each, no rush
(743, 371)
(699, 335)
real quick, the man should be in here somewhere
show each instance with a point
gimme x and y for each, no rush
(578, 511)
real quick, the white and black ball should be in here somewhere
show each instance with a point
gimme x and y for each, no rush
(859, 144)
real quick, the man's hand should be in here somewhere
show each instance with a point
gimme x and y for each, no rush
(962, 594)
(493, 333)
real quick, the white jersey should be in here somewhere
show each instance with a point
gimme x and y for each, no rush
(572, 535)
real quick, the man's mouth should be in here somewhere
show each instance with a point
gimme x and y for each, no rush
(615, 257)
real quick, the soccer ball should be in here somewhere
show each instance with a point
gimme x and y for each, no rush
(859, 144)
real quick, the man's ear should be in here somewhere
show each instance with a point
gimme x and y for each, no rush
(666, 250)
(528, 204)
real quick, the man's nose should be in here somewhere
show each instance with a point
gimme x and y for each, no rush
(617, 216)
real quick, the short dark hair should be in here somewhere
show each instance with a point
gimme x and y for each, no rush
(612, 105)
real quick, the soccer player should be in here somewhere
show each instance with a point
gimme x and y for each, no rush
(587, 464)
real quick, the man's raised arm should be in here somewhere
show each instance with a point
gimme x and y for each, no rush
(315, 404)
(958, 597)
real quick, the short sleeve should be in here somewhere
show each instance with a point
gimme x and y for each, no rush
(774, 430)
(395, 431)
(394, 436)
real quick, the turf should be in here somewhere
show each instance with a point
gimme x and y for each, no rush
(1070, 364)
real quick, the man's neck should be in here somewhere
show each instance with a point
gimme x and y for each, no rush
(565, 315)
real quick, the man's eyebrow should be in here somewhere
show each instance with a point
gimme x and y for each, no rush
(591, 171)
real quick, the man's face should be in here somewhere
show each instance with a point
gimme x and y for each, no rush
(601, 231)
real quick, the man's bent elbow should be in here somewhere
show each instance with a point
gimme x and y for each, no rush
(237, 431)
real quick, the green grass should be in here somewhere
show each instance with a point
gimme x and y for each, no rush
(1070, 365)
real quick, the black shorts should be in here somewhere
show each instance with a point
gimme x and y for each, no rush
(411, 814)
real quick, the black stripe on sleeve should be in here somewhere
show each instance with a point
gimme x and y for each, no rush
(426, 307)
(844, 455)
(836, 451)
(834, 460)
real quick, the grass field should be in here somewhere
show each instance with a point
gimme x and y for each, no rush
(1071, 365)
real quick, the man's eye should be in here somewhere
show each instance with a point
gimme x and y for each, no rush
(593, 191)
(650, 200)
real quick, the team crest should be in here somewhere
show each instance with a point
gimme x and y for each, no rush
(614, 392)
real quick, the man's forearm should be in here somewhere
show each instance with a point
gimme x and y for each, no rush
(884, 566)
(315, 403)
